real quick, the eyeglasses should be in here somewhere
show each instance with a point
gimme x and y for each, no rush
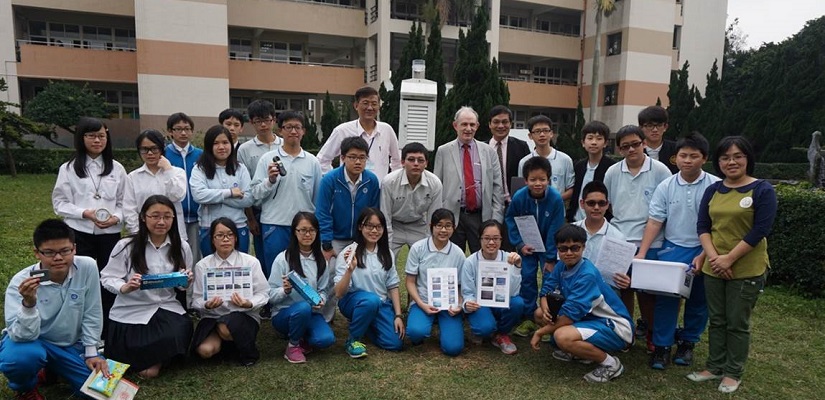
(737, 158)
(357, 158)
(223, 236)
(290, 128)
(494, 239)
(181, 129)
(505, 122)
(372, 228)
(654, 125)
(258, 121)
(574, 248)
(627, 146)
(158, 217)
(447, 227)
(93, 136)
(51, 253)
(149, 150)
(306, 231)
(365, 103)
(594, 203)
(414, 160)
(541, 131)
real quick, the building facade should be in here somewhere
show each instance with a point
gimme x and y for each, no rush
(150, 58)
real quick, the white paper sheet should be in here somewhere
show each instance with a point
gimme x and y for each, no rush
(222, 282)
(493, 284)
(442, 287)
(529, 231)
(614, 256)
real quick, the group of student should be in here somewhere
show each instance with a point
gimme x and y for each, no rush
(194, 211)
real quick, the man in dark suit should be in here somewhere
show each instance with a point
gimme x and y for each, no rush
(591, 168)
(653, 121)
(509, 151)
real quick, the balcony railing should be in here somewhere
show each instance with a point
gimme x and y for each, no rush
(539, 79)
(516, 28)
(327, 4)
(79, 44)
(248, 57)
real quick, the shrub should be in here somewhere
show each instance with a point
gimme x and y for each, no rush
(48, 161)
(796, 246)
(774, 171)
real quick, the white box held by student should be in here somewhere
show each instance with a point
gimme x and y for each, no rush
(662, 278)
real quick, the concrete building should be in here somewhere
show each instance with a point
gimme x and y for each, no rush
(150, 58)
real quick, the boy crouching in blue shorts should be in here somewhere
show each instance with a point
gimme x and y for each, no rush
(592, 320)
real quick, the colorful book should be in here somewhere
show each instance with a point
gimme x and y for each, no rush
(160, 281)
(304, 289)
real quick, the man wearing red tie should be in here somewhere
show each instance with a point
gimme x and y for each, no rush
(471, 177)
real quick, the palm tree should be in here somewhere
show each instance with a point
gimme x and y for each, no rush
(603, 9)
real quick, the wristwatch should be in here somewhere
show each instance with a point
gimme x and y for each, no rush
(326, 246)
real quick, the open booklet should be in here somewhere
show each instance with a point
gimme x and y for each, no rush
(115, 387)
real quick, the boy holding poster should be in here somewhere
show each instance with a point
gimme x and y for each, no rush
(495, 287)
(543, 202)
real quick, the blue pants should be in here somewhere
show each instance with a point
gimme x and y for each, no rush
(529, 291)
(206, 241)
(486, 320)
(369, 316)
(599, 332)
(667, 308)
(276, 240)
(420, 326)
(20, 362)
(299, 322)
(258, 243)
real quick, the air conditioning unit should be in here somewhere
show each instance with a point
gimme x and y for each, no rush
(418, 109)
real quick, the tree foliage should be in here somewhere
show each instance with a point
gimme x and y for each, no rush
(434, 59)
(476, 81)
(61, 104)
(310, 139)
(604, 8)
(710, 108)
(391, 100)
(682, 100)
(330, 117)
(13, 128)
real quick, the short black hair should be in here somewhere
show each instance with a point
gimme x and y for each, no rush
(230, 113)
(501, 109)
(655, 114)
(153, 135)
(289, 115)
(597, 127)
(594, 187)
(414, 147)
(441, 213)
(365, 91)
(694, 140)
(491, 222)
(743, 144)
(570, 232)
(260, 109)
(355, 142)
(629, 130)
(227, 223)
(178, 117)
(52, 229)
(539, 119)
(537, 162)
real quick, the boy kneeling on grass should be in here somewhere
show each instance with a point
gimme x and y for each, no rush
(592, 320)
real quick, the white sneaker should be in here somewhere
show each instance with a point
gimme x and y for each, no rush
(604, 373)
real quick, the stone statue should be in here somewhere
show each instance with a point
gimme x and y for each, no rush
(815, 158)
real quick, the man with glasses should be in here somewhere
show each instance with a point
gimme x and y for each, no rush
(382, 143)
(510, 151)
(183, 155)
(343, 193)
(542, 134)
(281, 197)
(261, 114)
(653, 121)
(53, 315)
(409, 197)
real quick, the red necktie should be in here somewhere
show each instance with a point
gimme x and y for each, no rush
(470, 201)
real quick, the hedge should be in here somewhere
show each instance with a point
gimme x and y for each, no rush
(774, 171)
(796, 245)
(48, 161)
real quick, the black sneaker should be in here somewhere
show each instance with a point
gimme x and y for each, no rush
(684, 353)
(660, 358)
(641, 328)
(266, 312)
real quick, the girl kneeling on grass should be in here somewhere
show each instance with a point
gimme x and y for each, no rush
(148, 327)
(293, 316)
(232, 322)
(367, 287)
(488, 322)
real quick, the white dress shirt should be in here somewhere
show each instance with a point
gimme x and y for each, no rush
(236, 259)
(73, 195)
(142, 183)
(383, 147)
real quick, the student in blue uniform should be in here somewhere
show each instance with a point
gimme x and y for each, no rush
(488, 322)
(592, 320)
(182, 154)
(293, 316)
(45, 328)
(221, 185)
(368, 287)
(544, 203)
(437, 251)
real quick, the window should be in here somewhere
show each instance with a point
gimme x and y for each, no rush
(281, 52)
(543, 26)
(240, 49)
(614, 44)
(677, 36)
(406, 9)
(82, 36)
(513, 21)
(122, 103)
(611, 94)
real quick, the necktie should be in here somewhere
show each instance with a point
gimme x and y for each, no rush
(470, 201)
(501, 162)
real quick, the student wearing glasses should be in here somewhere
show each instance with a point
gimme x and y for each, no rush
(182, 154)
(343, 193)
(149, 327)
(542, 134)
(382, 143)
(281, 197)
(408, 197)
(630, 185)
(156, 176)
(594, 203)
(653, 121)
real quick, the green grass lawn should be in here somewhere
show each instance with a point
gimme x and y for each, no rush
(786, 360)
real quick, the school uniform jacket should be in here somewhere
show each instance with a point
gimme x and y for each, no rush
(337, 209)
(580, 168)
(667, 155)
